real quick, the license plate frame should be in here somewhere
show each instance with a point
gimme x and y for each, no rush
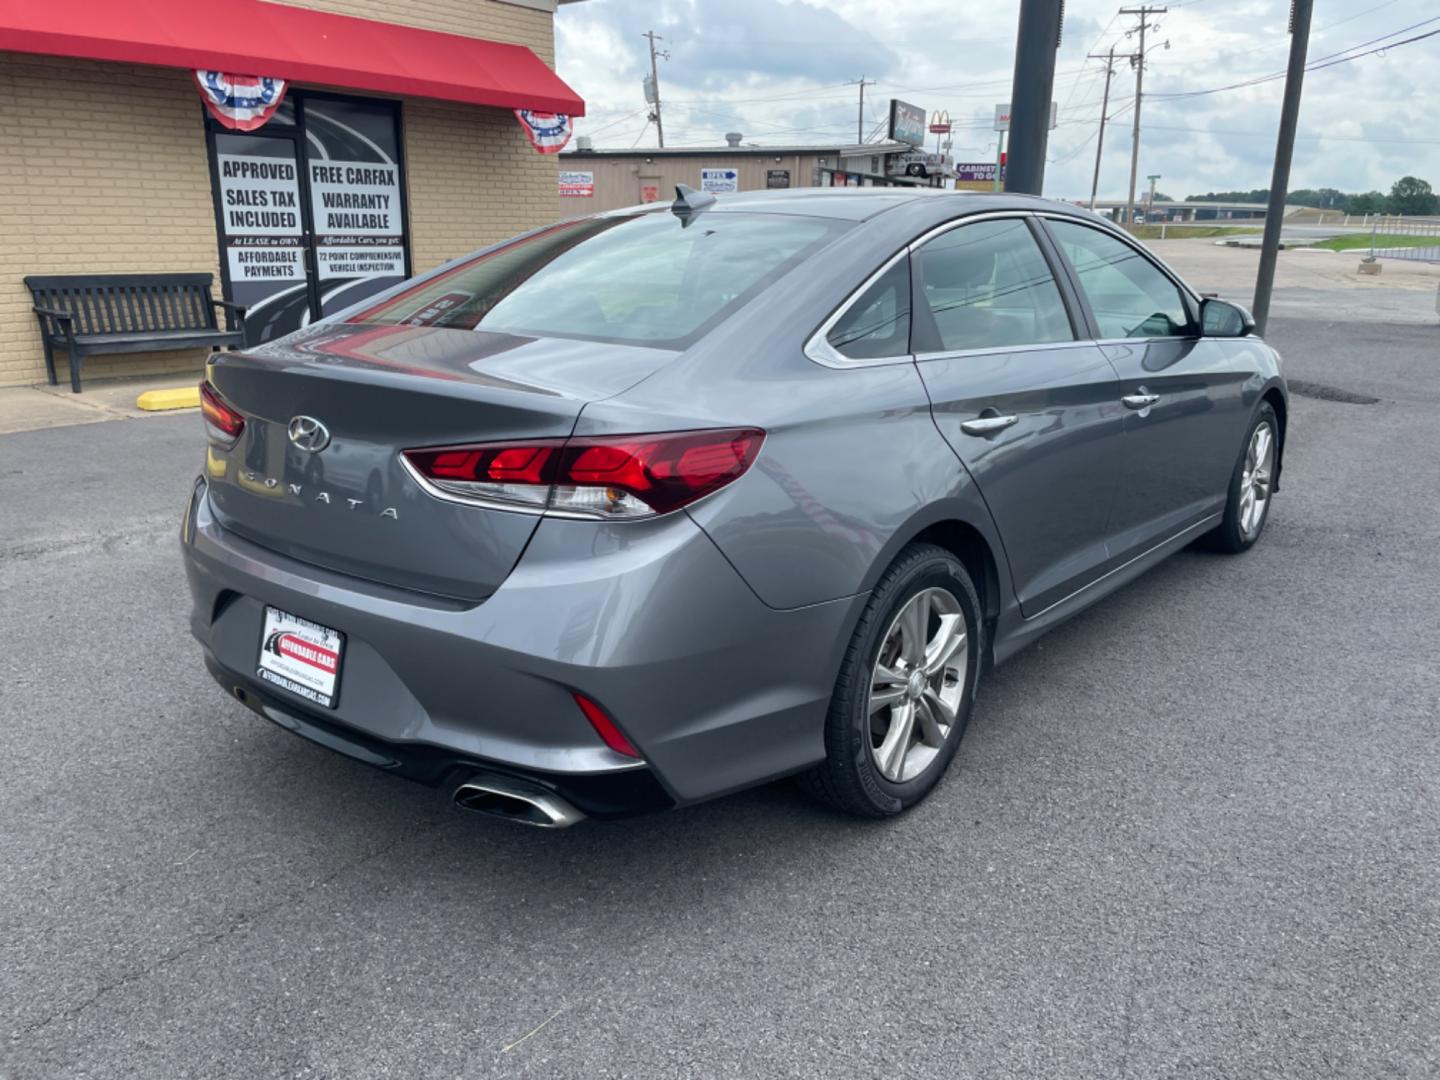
(301, 657)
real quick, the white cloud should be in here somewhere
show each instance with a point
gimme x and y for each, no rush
(776, 71)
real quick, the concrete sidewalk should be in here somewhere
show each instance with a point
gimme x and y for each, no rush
(27, 408)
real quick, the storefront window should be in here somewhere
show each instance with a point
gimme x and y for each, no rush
(352, 153)
(310, 210)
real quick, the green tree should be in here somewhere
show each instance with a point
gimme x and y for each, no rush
(1371, 202)
(1411, 195)
(1321, 198)
(1258, 195)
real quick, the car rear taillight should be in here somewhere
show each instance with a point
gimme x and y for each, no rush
(222, 423)
(605, 727)
(625, 476)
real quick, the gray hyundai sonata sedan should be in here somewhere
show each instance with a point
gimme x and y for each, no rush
(642, 508)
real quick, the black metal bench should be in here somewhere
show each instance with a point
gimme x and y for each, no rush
(85, 314)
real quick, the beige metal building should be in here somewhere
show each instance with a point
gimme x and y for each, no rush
(592, 180)
(110, 162)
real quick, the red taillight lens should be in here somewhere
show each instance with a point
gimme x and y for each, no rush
(624, 476)
(510, 475)
(605, 727)
(223, 422)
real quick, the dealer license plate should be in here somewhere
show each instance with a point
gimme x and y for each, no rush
(301, 656)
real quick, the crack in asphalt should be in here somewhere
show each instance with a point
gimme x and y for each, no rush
(138, 531)
(244, 922)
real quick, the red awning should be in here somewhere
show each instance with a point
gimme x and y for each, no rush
(253, 37)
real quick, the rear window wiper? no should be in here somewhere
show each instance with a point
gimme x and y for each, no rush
(689, 202)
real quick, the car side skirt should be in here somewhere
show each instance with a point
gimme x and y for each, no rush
(1014, 633)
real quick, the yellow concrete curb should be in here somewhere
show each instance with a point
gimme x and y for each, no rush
(180, 397)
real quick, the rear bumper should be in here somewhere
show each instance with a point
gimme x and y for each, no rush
(716, 690)
(617, 793)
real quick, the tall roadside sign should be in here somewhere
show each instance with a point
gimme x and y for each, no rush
(1036, 43)
(907, 123)
(1002, 125)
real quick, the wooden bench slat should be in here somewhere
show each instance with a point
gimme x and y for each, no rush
(112, 310)
(117, 307)
(132, 312)
(83, 297)
(167, 300)
(148, 292)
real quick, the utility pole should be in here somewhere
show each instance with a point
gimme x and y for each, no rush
(1031, 92)
(1138, 60)
(1150, 199)
(653, 94)
(1284, 148)
(1104, 109)
(860, 121)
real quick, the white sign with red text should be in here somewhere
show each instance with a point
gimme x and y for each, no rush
(300, 656)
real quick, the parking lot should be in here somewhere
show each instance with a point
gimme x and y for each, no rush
(1194, 832)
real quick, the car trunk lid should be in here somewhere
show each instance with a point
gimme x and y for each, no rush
(348, 504)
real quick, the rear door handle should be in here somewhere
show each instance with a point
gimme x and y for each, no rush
(1139, 401)
(987, 425)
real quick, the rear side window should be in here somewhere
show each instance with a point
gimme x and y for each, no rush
(877, 324)
(988, 286)
(1129, 295)
(640, 279)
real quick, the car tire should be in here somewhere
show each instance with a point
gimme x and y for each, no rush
(867, 771)
(1247, 506)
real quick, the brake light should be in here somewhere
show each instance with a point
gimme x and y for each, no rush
(605, 727)
(222, 423)
(626, 476)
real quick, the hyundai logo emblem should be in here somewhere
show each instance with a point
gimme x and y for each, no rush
(309, 434)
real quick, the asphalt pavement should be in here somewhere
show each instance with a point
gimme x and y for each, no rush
(1193, 833)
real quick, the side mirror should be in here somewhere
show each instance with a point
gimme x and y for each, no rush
(1220, 318)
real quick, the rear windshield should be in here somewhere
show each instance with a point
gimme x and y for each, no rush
(637, 279)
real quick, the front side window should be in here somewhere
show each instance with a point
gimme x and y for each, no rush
(639, 279)
(988, 286)
(1129, 295)
(877, 324)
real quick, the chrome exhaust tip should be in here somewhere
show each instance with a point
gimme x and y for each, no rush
(516, 801)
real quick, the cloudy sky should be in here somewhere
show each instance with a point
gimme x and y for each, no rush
(777, 70)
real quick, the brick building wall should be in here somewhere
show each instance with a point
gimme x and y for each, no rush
(494, 20)
(103, 169)
(474, 179)
(87, 189)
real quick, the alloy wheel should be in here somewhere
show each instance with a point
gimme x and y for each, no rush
(917, 684)
(1255, 480)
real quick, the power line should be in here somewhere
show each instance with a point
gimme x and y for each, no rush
(652, 95)
(1100, 131)
(1309, 138)
(843, 89)
(1208, 58)
(860, 123)
(1322, 62)
(615, 123)
(1090, 52)
(1138, 60)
